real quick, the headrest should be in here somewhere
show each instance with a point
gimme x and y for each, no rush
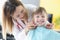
(30, 8)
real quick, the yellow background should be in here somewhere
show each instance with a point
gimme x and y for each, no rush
(53, 7)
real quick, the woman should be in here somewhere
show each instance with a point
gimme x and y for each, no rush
(14, 19)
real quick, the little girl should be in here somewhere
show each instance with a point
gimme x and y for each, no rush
(41, 33)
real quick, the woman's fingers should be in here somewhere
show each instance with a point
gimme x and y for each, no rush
(31, 25)
(49, 26)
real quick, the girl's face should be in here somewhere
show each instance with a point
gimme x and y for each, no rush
(19, 12)
(40, 19)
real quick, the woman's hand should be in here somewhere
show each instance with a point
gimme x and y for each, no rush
(49, 26)
(30, 26)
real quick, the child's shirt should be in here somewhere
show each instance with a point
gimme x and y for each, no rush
(42, 33)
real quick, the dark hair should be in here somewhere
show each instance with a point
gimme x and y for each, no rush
(9, 8)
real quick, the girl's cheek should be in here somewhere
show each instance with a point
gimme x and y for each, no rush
(36, 19)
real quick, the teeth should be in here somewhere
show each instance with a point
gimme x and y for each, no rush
(42, 21)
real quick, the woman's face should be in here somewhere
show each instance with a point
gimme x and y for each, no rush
(19, 12)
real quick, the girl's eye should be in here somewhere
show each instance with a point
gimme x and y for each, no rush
(37, 16)
(43, 16)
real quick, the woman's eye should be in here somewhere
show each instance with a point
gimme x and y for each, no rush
(22, 11)
(17, 15)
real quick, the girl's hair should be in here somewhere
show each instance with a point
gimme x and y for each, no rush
(8, 10)
(39, 10)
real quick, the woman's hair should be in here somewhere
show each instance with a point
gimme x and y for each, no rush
(8, 10)
(39, 10)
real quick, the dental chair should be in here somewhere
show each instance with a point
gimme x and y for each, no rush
(31, 8)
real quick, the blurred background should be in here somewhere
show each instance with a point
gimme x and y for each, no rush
(52, 7)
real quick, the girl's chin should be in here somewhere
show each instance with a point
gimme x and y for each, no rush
(41, 24)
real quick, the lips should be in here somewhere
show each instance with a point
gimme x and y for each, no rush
(21, 17)
(40, 22)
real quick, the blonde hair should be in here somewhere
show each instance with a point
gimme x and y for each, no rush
(39, 10)
(8, 10)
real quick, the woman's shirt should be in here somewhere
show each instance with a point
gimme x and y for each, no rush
(19, 34)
